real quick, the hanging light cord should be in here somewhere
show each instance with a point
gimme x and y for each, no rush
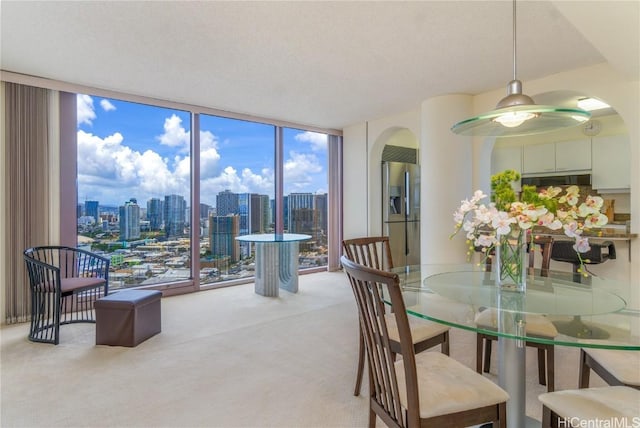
(514, 40)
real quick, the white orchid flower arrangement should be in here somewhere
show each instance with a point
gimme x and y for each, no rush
(506, 217)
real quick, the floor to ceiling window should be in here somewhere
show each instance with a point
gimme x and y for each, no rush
(305, 192)
(133, 183)
(236, 191)
(135, 195)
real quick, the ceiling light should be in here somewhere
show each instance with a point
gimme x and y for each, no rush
(517, 114)
(591, 104)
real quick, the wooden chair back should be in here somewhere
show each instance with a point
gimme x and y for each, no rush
(371, 251)
(371, 287)
(546, 245)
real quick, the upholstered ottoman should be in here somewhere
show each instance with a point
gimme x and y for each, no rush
(127, 318)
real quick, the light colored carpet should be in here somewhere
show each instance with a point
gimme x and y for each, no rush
(225, 358)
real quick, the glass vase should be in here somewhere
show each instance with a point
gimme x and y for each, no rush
(511, 262)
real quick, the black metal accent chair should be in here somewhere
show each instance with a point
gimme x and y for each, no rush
(65, 282)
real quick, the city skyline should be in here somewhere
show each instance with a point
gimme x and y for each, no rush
(128, 150)
(142, 203)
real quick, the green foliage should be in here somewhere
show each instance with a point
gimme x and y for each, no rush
(501, 191)
(530, 195)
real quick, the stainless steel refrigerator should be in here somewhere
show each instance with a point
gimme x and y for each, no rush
(401, 211)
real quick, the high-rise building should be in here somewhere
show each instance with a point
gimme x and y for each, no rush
(155, 213)
(223, 231)
(300, 213)
(253, 209)
(92, 208)
(243, 212)
(129, 220)
(285, 212)
(175, 209)
(204, 211)
(265, 209)
(258, 213)
(320, 216)
(226, 203)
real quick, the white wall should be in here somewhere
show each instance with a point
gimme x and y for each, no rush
(356, 192)
(446, 161)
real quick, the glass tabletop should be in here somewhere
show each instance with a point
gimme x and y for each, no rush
(553, 309)
(273, 237)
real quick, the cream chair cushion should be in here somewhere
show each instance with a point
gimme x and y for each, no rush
(535, 325)
(446, 386)
(623, 365)
(420, 329)
(610, 403)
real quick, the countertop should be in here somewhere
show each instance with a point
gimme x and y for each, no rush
(613, 233)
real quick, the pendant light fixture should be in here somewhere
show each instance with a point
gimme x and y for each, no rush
(517, 114)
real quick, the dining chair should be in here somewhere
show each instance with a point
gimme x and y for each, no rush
(375, 252)
(607, 406)
(615, 367)
(536, 325)
(428, 389)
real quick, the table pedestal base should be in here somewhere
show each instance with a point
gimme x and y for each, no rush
(276, 267)
(511, 375)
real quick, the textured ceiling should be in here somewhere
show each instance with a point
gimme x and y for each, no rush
(323, 64)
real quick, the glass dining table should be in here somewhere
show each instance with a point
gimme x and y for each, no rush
(590, 315)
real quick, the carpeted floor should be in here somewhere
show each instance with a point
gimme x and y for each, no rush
(225, 358)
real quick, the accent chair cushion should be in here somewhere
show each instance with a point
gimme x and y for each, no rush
(75, 284)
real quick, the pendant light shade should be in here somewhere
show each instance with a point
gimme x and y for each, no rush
(517, 114)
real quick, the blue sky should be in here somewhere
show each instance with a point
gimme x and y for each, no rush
(128, 150)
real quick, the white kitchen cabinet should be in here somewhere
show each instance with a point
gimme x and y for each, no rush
(539, 158)
(573, 155)
(503, 158)
(611, 163)
(559, 157)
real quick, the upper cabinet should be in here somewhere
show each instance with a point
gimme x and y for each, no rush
(539, 158)
(611, 163)
(573, 155)
(503, 158)
(558, 157)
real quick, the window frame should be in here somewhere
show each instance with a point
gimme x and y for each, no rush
(68, 176)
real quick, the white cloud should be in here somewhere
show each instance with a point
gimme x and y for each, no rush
(318, 141)
(246, 182)
(107, 105)
(299, 170)
(86, 113)
(258, 183)
(112, 172)
(209, 159)
(174, 134)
